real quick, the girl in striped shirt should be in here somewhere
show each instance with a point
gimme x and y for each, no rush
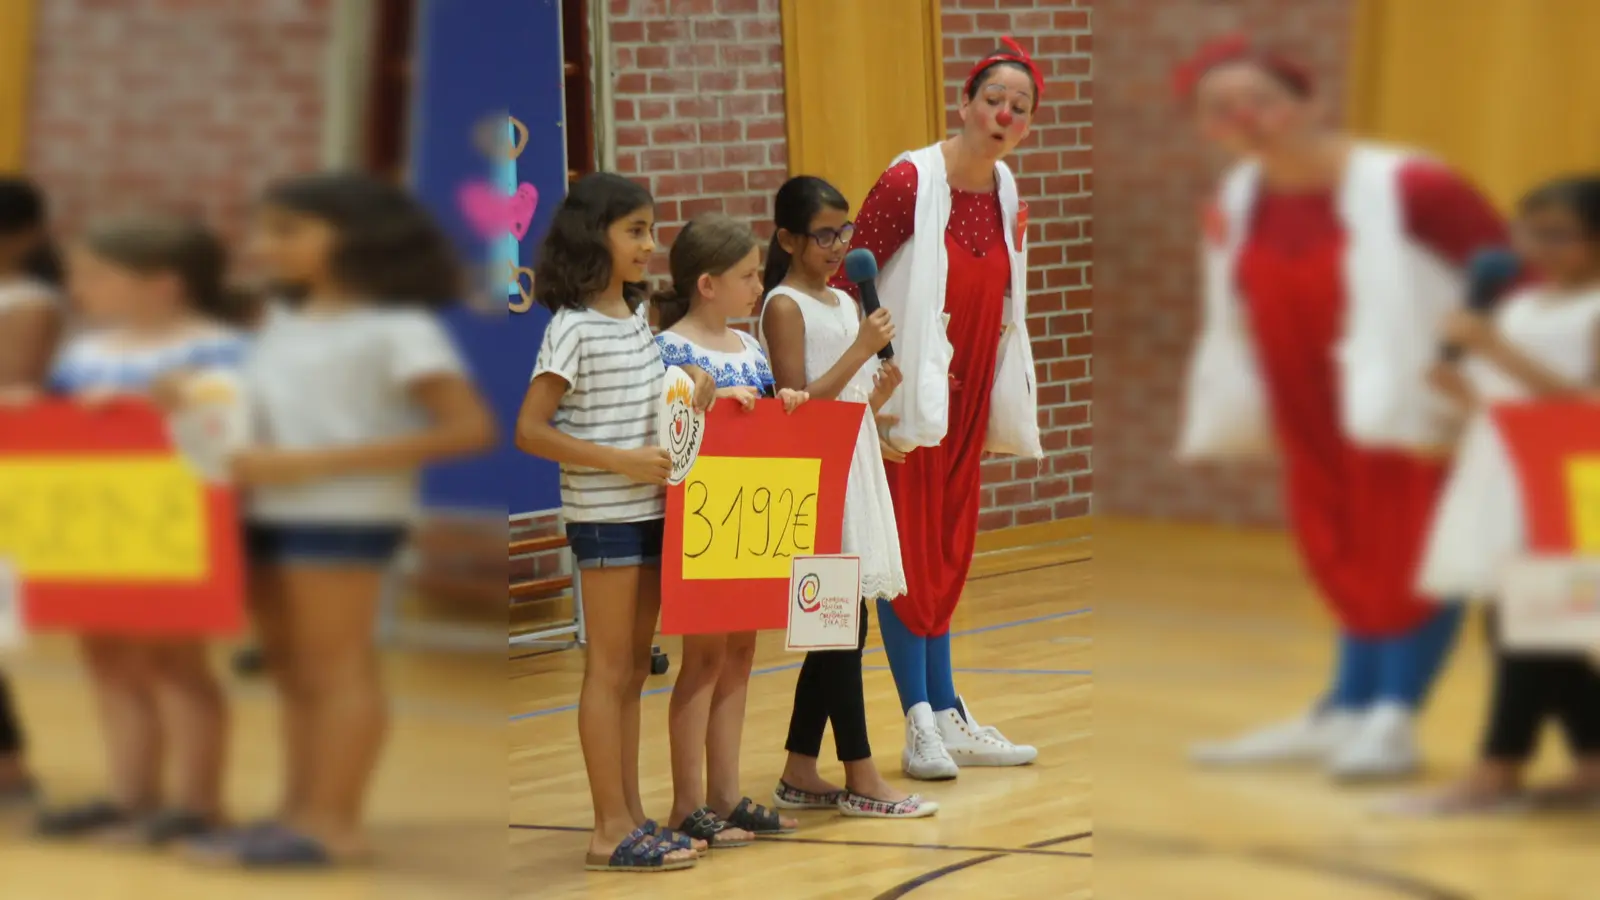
(591, 407)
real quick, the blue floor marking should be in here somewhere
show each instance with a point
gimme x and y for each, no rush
(550, 711)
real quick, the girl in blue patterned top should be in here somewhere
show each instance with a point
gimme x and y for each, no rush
(152, 291)
(716, 276)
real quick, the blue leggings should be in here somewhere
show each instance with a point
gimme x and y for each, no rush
(1398, 669)
(921, 665)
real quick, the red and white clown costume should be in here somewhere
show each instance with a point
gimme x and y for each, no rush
(954, 278)
(1322, 315)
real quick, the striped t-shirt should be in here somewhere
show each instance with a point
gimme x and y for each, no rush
(615, 376)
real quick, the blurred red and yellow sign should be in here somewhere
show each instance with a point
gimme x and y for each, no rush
(109, 530)
(1552, 593)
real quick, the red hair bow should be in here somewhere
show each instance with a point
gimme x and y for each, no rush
(1016, 55)
(1235, 48)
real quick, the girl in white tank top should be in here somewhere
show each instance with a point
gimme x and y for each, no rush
(817, 342)
(1543, 342)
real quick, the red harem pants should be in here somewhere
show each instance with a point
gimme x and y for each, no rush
(1359, 516)
(937, 490)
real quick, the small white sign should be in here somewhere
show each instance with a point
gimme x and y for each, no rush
(682, 427)
(214, 423)
(11, 630)
(1551, 603)
(824, 603)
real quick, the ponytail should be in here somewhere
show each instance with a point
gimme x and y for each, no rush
(777, 265)
(670, 307)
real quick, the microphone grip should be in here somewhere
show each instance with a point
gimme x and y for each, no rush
(870, 305)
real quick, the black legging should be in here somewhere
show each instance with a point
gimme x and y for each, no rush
(1530, 686)
(10, 731)
(830, 689)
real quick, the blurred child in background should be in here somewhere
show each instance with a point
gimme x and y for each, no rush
(152, 291)
(1542, 342)
(30, 323)
(354, 387)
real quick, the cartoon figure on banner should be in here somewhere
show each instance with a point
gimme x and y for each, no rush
(502, 213)
(682, 426)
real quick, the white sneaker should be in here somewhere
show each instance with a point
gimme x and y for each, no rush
(925, 757)
(1310, 738)
(1384, 746)
(970, 744)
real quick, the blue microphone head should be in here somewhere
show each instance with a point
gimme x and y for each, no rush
(1489, 272)
(1495, 264)
(860, 265)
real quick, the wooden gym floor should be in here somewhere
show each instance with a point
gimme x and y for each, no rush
(1022, 654)
(1202, 632)
(438, 808)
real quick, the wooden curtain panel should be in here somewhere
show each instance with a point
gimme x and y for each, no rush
(16, 79)
(863, 83)
(1506, 90)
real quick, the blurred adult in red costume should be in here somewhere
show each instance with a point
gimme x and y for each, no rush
(947, 226)
(1332, 264)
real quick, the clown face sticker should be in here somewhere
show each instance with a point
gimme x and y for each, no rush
(682, 427)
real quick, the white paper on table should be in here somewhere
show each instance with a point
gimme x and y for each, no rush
(1551, 603)
(824, 603)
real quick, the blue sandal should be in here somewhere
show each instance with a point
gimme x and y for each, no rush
(640, 851)
(678, 839)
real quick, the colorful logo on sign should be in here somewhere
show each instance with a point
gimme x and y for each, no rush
(808, 594)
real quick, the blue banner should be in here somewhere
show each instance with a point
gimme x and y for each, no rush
(488, 156)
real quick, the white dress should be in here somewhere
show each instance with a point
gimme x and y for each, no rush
(1478, 525)
(869, 526)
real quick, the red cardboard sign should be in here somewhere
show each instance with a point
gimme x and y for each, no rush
(1555, 447)
(111, 531)
(766, 487)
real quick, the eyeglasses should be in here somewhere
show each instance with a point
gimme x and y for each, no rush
(826, 238)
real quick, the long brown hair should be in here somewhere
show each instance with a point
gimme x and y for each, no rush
(711, 244)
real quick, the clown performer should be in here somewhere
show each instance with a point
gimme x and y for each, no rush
(1331, 267)
(950, 229)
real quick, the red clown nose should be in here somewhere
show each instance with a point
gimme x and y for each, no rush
(1004, 118)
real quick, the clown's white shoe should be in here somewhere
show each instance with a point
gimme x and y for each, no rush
(1311, 738)
(971, 744)
(925, 757)
(1383, 747)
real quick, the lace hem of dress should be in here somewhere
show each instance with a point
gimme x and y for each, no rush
(882, 587)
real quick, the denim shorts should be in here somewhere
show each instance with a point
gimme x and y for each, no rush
(604, 545)
(332, 545)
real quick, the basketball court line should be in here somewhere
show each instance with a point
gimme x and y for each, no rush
(906, 887)
(1332, 868)
(1033, 620)
(1030, 850)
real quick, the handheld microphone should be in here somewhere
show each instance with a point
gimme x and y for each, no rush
(1489, 272)
(861, 267)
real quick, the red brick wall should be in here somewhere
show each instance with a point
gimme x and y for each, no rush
(698, 86)
(180, 105)
(1152, 177)
(700, 117)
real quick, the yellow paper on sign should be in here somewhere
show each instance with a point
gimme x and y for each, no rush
(1583, 492)
(103, 520)
(748, 518)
